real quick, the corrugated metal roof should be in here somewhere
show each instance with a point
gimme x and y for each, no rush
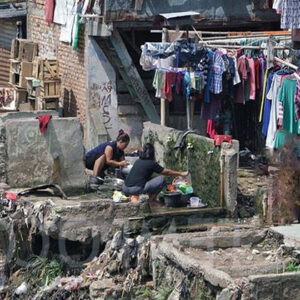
(9, 10)
(7, 33)
(4, 66)
(180, 14)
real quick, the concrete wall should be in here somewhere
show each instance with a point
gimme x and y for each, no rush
(104, 116)
(203, 159)
(30, 158)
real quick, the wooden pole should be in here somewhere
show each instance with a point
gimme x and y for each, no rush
(162, 100)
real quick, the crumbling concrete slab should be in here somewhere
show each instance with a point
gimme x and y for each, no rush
(238, 261)
(79, 219)
(57, 156)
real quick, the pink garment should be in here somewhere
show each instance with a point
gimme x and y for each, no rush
(239, 96)
(251, 79)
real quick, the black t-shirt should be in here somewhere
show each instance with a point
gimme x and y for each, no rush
(141, 172)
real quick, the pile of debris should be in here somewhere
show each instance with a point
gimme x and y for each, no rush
(121, 267)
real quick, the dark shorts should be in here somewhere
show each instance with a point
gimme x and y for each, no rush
(90, 160)
(153, 186)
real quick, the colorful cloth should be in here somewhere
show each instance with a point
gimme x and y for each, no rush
(218, 69)
(49, 10)
(297, 101)
(44, 120)
(251, 79)
(286, 96)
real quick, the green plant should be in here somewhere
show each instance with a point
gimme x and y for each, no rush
(145, 292)
(292, 267)
(163, 294)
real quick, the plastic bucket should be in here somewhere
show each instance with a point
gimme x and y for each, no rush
(194, 201)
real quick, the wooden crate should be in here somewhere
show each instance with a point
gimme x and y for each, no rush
(20, 96)
(22, 49)
(18, 78)
(46, 68)
(49, 88)
(48, 103)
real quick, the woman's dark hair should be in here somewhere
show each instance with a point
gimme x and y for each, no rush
(148, 152)
(123, 137)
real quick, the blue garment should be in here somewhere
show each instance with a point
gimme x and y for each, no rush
(209, 77)
(186, 85)
(267, 106)
(100, 149)
(218, 69)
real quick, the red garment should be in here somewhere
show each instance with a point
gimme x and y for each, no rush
(169, 82)
(210, 128)
(257, 77)
(49, 10)
(44, 120)
(11, 196)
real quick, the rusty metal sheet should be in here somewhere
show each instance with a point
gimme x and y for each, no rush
(218, 10)
(8, 32)
(4, 66)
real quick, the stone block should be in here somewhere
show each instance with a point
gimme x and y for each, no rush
(202, 159)
(53, 157)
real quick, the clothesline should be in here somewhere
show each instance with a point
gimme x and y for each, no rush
(244, 47)
(259, 36)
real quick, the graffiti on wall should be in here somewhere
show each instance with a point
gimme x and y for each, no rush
(100, 96)
(6, 98)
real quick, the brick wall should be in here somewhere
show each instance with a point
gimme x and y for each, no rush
(71, 62)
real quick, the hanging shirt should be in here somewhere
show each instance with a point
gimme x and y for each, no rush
(273, 96)
(267, 107)
(257, 73)
(282, 138)
(286, 96)
(239, 90)
(170, 79)
(218, 69)
(251, 79)
(186, 85)
(60, 12)
(209, 77)
(159, 83)
(290, 15)
(49, 10)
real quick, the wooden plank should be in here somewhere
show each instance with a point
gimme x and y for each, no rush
(49, 68)
(122, 86)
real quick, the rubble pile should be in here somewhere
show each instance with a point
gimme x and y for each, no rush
(120, 268)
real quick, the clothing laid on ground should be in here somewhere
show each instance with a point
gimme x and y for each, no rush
(92, 155)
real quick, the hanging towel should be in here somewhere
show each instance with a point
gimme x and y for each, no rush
(49, 10)
(44, 120)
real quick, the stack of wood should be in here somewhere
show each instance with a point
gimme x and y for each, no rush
(23, 53)
(35, 79)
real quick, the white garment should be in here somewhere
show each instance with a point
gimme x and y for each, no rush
(236, 78)
(60, 12)
(277, 4)
(273, 96)
(67, 29)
